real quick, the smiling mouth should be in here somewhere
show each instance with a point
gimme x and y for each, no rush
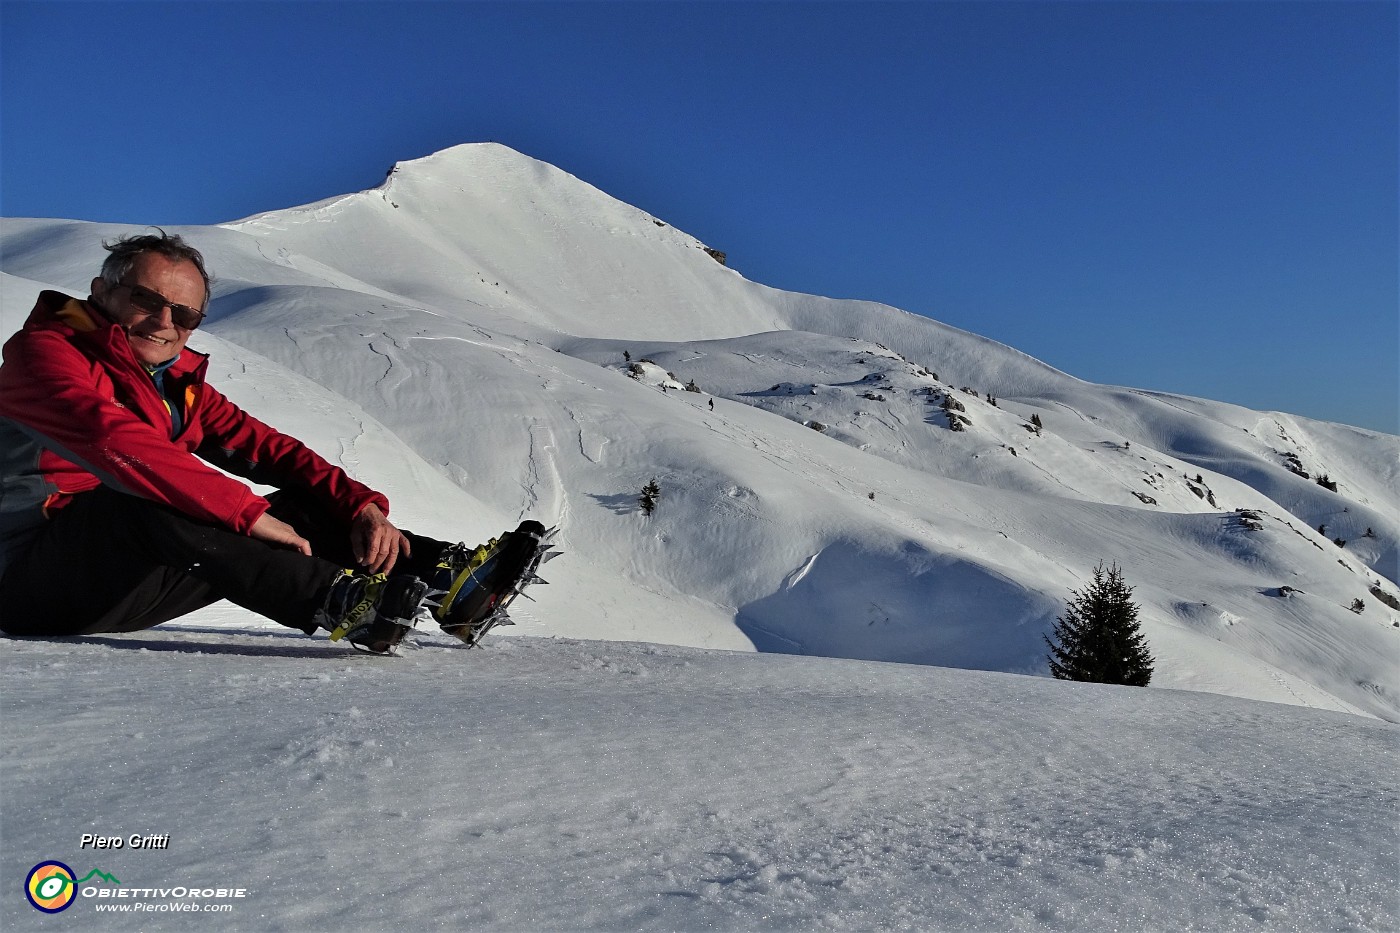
(159, 341)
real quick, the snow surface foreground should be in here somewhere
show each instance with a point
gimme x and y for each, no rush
(574, 785)
(459, 338)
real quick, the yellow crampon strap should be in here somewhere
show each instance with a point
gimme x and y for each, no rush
(478, 558)
(361, 609)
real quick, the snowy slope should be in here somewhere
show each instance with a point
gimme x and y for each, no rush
(563, 785)
(458, 336)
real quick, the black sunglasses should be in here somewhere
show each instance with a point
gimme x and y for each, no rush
(149, 302)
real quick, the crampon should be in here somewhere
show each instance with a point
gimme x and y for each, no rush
(473, 588)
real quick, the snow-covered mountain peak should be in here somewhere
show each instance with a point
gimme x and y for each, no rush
(480, 168)
(488, 225)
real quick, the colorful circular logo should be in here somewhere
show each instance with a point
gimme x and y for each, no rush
(50, 887)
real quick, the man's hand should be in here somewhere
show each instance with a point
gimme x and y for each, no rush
(376, 542)
(275, 531)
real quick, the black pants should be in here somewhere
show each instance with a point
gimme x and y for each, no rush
(110, 562)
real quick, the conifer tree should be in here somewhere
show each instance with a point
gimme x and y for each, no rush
(651, 493)
(1098, 639)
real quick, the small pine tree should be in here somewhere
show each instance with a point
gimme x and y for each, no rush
(1098, 640)
(651, 494)
(1035, 420)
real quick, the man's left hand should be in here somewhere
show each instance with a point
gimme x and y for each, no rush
(376, 542)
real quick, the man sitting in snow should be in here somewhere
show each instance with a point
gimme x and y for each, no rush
(107, 430)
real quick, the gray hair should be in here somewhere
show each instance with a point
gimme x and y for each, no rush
(124, 251)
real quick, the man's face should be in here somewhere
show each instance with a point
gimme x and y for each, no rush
(154, 337)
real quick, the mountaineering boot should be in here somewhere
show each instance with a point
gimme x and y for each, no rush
(473, 586)
(373, 612)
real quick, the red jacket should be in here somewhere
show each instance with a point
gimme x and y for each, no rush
(78, 410)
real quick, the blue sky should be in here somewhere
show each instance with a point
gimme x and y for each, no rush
(1190, 196)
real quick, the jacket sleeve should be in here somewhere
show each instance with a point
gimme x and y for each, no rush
(241, 444)
(55, 393)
